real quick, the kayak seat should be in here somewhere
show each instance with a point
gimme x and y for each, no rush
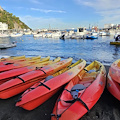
(89, 76)
(72, 94)
(75, 90)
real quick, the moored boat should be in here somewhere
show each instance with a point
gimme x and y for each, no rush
(92, 36)
(81, 93)
(16, 35)
(5, 46)
(115, 43)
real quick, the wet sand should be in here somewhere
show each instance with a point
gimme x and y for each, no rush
(107, 108)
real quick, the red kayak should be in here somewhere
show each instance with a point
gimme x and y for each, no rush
(14, 65)
(18, 59)
(113, 87)
(7, 75)
(114, 71)
(42, 91)
(81, 93)
(22, 82)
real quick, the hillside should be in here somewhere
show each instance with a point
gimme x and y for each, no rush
(12, 21)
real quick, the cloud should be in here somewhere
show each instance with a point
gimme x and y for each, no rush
(108, 9)
(40, 22)
(36, 2)
(48, 11)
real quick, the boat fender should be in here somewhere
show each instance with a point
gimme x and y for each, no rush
(38, 68)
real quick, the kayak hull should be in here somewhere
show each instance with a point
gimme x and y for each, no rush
(114, 71)
(113, 87)
(91, 94)
(38, 101)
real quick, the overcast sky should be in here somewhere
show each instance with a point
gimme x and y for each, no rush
(63, 14)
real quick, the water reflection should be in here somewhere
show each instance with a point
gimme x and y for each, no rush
(90, 50)
(116, 50)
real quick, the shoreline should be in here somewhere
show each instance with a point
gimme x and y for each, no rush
(107, 108)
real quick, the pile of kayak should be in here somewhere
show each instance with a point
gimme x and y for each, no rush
(40, 78)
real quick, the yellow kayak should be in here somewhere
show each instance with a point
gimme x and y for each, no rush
(19, 59)
(13, 58)
(115, 43)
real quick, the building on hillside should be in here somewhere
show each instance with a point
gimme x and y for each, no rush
(3, 26)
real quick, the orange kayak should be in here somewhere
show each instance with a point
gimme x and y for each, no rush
(114, 71)
(14, 65)
(42, 91)
(81, 93)
(22, 82)
(7, 75)
(113, 87)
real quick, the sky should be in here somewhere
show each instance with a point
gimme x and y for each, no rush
(64, 14)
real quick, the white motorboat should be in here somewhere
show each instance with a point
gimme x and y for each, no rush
(116, 34)
(4, 35)
(6, 45)
(16, 35)
(81, 31)
(28, 33)
(48, 35)
(56, 34)
(38, 35)
(103, 33)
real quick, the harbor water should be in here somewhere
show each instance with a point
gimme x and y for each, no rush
(90, 50)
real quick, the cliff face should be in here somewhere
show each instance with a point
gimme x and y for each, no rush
(12, 21)
(1, 8)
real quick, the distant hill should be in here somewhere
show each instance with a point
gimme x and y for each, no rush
(12, 21)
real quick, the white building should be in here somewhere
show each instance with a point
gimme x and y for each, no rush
(3, 26)
(107, 26)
